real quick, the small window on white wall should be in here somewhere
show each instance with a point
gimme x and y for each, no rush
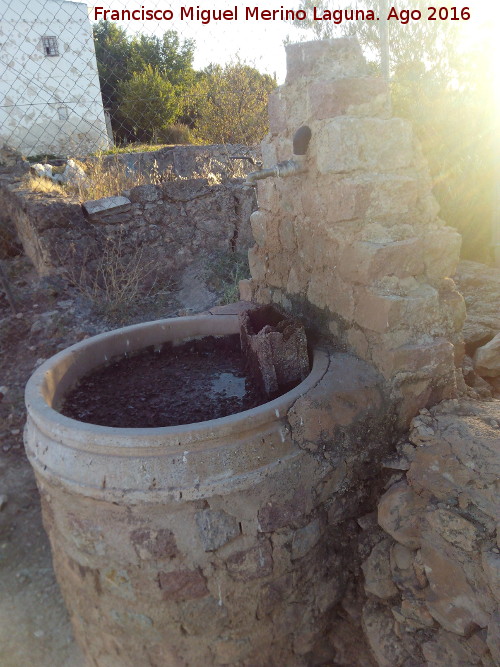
(50, 46)
(62, 113)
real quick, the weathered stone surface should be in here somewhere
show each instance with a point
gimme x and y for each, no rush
(182, 585)
(277, 515)
(480, 285)
(12, 162)
(377, 571)
(448, 649)
(253, 563)
(380, 312)
(398, 514)
(305, 538)
(453, 528)
(143, 194)
(450, 599)
(203, 616)
(101, 209)
(324, 60)
(437, 357)
(155, 544)
(441, 252)
(417, 613)
(491, 567)
(493, 639)
(216, 528)
(378, 626)
(339, 97)
(487, 359)
(348, 394)
(366, 262)
(368, 144)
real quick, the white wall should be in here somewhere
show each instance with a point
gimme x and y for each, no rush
(36, 89)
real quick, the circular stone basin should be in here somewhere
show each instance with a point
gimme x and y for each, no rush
(168, 385)
(167, 541)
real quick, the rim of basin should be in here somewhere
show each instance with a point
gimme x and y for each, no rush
(51, 381)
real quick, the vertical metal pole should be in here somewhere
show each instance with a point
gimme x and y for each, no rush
(384, 39)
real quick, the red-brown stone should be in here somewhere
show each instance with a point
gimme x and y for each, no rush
(182, 585)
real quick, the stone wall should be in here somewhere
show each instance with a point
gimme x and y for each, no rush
(173, 223)
(355, 244)
(432, 578)
(185, 161)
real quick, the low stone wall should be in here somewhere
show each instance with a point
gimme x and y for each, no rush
(173, 223)
(185, 161)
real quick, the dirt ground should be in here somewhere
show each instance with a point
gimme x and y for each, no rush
(34, 625)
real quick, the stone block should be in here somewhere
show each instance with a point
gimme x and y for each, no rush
(100, 210)
(331, 201)
(365, 262)
(487, 359)
(448, 649)
(491, 567)
(325, 59)
(379, 629)
(267, 195)
(377, 312)
(258, 221)
(362, 144)
(216, 528)
(258, 268)
(182, 585)
(454, 528)
(441, 252)
(143, 194)
(437, 357)
(347, 96)
(377, 571)
(247, 290)
(450, 598)
(305, 538)
(399, 514)
(253, 563)
(393, 199)
(154, 544)
(276, 106)
(382, 311)
(436, 470)
(347, 395)
(276, 515)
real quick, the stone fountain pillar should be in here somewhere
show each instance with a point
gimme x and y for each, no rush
(355, 245)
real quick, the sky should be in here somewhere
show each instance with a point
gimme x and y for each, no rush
(260, 43)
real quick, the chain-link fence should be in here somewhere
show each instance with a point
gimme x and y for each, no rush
(76, 79)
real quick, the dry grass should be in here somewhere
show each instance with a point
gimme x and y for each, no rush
(44, 185)
(117, 280)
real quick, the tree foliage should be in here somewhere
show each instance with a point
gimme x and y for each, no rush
(123, 63)
(443, 85)
(235, 106)
(148, 83)
(149, 102)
